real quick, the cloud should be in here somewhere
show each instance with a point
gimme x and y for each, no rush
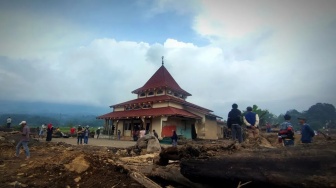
(28, 34)
(260, 53)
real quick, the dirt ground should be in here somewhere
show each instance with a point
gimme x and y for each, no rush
(63, 163)
(59, 164)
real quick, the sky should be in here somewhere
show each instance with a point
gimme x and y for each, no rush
(279, 55)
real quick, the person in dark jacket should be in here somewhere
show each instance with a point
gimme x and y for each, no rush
(174, 139)
(50, 130)
(234, 123)
(307, 132)
(155, 134)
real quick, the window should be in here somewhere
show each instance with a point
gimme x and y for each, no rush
(143, 94)
(169, 92)
(136, 107)
(176, 94)
(159, 92)
(146, 106)
(128, 108)
(151, 93)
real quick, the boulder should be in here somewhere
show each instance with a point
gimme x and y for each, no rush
(142, 143)
(153, 145)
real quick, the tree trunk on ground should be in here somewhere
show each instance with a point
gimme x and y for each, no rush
(299, 166)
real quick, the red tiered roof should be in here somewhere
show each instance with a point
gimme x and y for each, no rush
(156, 99)
(165, 111)
(161, 79)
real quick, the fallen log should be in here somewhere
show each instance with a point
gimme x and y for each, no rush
(298, 166)
(143, 180)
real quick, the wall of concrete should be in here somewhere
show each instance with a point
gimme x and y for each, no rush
(157, 126)
(211, 129)
(119, 109)
(160, 105)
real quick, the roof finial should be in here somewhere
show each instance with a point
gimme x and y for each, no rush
(162, 60)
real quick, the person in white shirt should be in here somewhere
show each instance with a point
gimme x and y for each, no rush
(42, 129)
(9, 121)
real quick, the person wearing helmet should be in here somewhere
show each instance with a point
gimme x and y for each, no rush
(286, 132)
(86, 134)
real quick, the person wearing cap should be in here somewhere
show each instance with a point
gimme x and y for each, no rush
(234, 123)
(307, 133)
(286, 132)
(251, 121)
(79, 135)
(24, 140)
(86, 134)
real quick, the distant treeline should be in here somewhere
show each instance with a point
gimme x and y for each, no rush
(58, 120)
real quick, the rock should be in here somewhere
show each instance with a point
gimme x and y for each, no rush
(79, 165)
(2, 138)
(69, 149)
(77, 179)
(122, 152)
(153, 145)
(20, 174)
(23, 165)
(142, 142)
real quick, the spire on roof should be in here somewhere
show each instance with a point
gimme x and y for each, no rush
(162, 60)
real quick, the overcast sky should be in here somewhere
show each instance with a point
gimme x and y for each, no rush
(279, 55)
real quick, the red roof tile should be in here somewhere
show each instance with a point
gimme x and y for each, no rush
(155, 99)
(162, 79)
(167, 111)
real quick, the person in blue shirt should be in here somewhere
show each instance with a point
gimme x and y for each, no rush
(307, 133)
(251, 121)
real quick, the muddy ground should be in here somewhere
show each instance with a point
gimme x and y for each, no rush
(60, 164)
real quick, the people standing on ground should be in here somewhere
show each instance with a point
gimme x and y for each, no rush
(86, 134)
(251, 121)
(98, 132)
(234, 123)
(155, 134)
(119, 133)
(174, 139)
(50, 130)
(142, 133)
(72, 131)
(9, 122)
(42, 129)
(268, 127)
(135, 134)
(24, 140)
(79, 134)
(307, 133)
(286, 132)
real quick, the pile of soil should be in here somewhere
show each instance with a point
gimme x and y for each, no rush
(60, 165)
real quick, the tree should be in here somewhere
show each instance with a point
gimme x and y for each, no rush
(319, 114)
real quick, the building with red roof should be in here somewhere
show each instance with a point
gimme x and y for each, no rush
(161, 106)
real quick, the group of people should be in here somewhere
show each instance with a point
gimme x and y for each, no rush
(83, 133)
(236, 120)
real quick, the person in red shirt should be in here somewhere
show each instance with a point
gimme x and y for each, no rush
(72, 131)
